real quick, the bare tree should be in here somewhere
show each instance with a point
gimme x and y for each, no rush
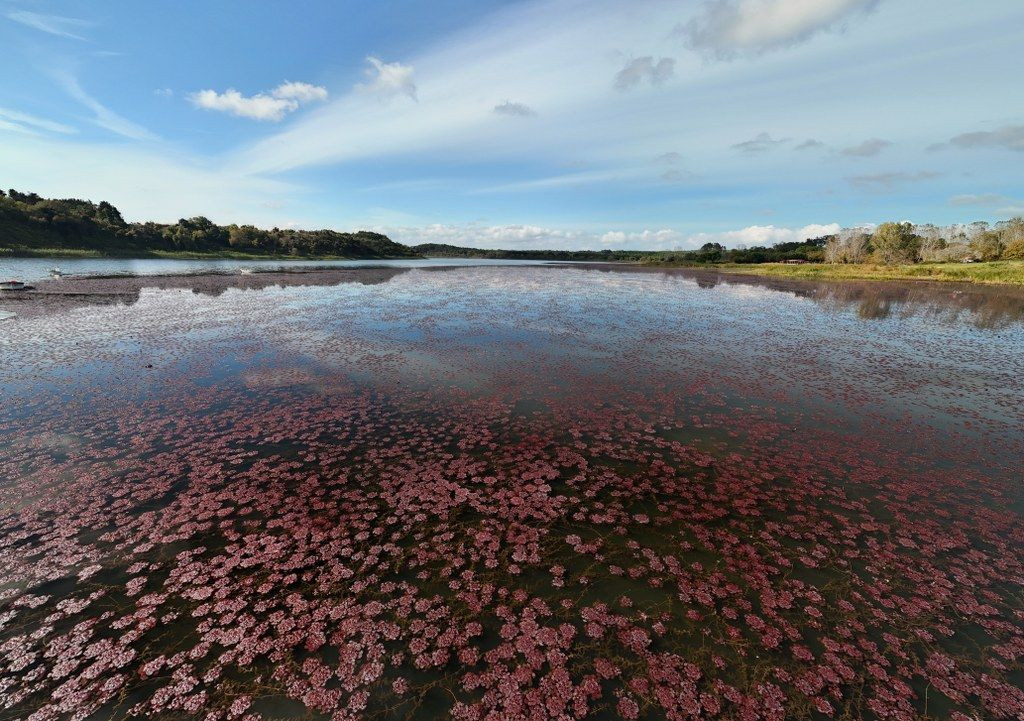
(849, 245)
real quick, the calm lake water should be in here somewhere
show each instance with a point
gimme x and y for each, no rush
(510, 492)
(35, 269)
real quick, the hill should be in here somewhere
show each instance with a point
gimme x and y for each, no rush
(31, 225)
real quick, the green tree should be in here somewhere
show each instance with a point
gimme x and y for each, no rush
(895, 243)
(109, 215)
(988, 245)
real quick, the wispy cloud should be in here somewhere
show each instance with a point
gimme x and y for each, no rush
(562, 56)
(1003, 205)
(102, 115)
(982, 199)
(888, 181)
(867, 149)
(569, 180)
(23, 122)
(273, 106)
(387, 80)
(759, 144)
(58, 25)
(727, 28)
(810, 144)
(515, 109)
(645, 70)
(1010, 137)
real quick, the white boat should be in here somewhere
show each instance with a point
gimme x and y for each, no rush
(245, 271)
(57, 273)
(12, 285)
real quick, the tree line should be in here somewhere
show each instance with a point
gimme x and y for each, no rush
(901, 243)
(29, 221)
(811, 250)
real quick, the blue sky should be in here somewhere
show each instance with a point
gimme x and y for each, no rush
(526, 123)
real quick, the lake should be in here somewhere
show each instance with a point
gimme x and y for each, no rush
(35, 269)
(509, 491)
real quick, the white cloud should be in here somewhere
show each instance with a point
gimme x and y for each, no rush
(867, 149)
(514, 109)
(285, 98)
(473, 235)
(388, 79)
(665, 239)
(23, 122)
(300, 92)
(257, 107)
(645, 70)
(53, 24)
(762, 235)
(727, 28)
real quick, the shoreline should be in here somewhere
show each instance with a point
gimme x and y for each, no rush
(1000, 272)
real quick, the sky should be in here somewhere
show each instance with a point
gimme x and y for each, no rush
(654, 124)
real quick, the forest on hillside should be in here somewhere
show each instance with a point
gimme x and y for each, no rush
(30, 223)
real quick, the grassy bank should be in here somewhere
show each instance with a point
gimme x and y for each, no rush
(1006, 272)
